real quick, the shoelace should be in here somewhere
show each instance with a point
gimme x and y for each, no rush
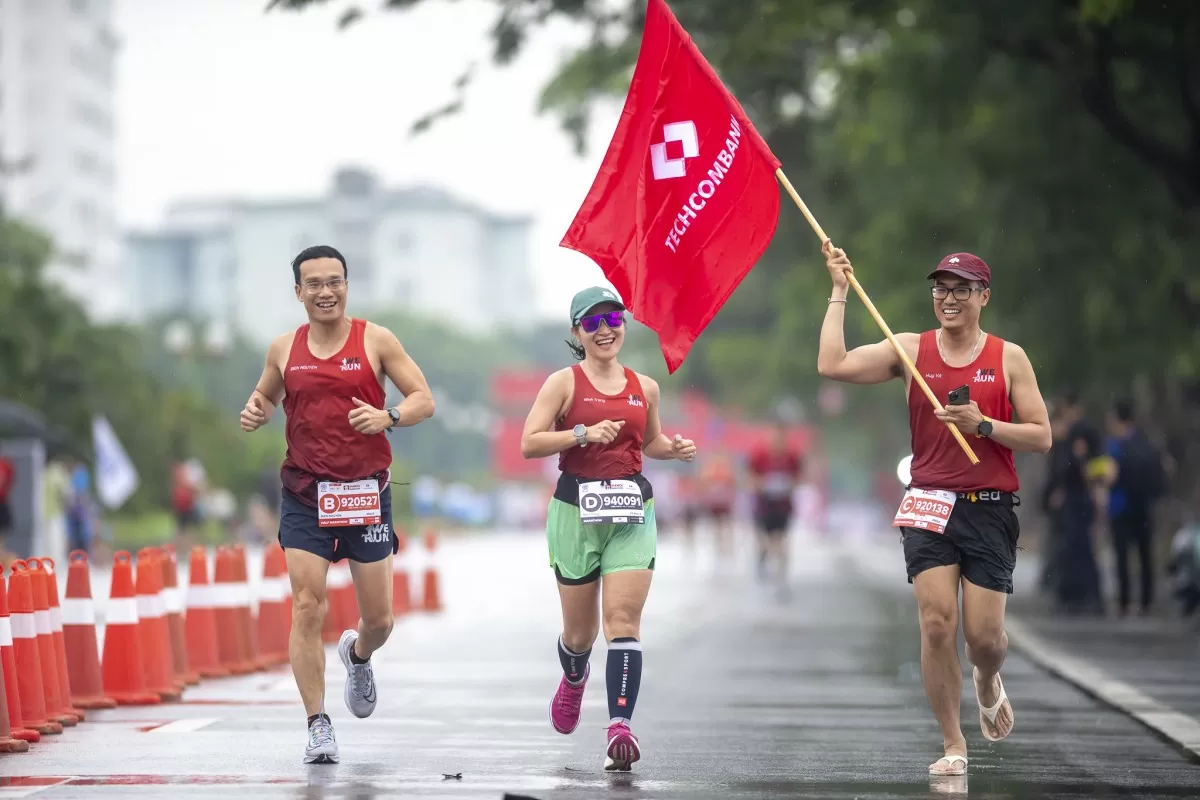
(320, 734)
(569, 700)
(362, 677)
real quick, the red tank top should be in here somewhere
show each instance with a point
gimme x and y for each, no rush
(321, 444)
(623, 456)
(938, 460)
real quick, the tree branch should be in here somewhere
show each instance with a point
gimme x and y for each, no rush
(1099, 98)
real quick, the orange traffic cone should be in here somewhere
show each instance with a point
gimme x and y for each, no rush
(401, 591)
(245, 617)
(34, 713)
(45, 591)
(11, 692)
(121, 666)
(431, 599)
(79, 637)
(200, 623)
(152, 627)
(7, 743)
(274, 624)
(56, 708)
(174, 605)
(229, 638)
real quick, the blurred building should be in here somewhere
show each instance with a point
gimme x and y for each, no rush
(418, 249)
(57, 142)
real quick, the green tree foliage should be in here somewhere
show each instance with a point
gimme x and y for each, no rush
(1060, 140)
(53, 360)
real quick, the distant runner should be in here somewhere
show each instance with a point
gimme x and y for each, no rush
(775, 472)
(600, 418)
(957, 522)
(336, 502)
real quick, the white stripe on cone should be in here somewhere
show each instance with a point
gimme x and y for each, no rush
(78, 611)
(122, 611)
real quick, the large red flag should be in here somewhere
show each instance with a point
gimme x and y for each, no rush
(686, 200)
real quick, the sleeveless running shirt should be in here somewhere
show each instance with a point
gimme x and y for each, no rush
(623, 456)
(321, 444)
(938, 460)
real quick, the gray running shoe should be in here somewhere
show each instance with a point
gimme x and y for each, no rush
(360, 679)
(322, 745)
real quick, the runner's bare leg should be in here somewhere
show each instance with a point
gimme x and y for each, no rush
(308, 573)
(936, 590)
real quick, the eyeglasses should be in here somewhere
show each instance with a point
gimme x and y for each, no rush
(613, 319)
(312, 287)
(961, 293)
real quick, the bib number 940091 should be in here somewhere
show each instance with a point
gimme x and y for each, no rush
(926, 509)
(345, 504)
(617, 502)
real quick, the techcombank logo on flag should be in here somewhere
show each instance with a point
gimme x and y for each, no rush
(667, 162)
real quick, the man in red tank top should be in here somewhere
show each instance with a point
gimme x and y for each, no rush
(600, 419)
(957, 523)
(775, 469)
(336, 501)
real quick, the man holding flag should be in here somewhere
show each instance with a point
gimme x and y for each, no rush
(957, 523)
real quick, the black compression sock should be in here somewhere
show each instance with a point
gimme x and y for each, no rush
(573, 664)
(316, 717)
(624, 677)
(354, 659)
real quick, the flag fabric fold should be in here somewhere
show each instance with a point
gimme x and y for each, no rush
(116, 477)
(686, 200)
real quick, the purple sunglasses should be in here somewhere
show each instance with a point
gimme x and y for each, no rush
(613, 319)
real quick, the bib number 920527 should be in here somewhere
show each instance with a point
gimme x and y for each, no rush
(345, 504)
(926, 509)
(616, 502)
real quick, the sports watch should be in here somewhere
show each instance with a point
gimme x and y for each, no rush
(395, 415)
(985, 428)
(580, 432)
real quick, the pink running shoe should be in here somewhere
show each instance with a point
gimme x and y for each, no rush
(623, 748)
(564, 708)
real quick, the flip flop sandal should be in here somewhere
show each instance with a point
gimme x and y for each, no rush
(954, 770)
(987, 716)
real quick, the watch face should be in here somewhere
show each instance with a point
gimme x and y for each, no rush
(580, 430)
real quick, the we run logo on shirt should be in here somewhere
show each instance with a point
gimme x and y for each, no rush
(351, 364)
(636, 401)
(985, 375)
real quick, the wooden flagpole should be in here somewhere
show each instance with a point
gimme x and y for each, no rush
(908, 364)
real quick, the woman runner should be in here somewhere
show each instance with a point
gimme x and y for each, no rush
(600, 418)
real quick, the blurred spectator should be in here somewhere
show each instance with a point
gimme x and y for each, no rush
(187, 483)
(56, 491)
(1136, 479)
(1072, 509)
(8, 476)
(79, 508)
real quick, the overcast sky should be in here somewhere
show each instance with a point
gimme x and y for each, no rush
(217, 98)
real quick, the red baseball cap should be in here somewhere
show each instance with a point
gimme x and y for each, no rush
(964, 265)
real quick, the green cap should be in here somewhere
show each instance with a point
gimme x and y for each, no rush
(589, 298)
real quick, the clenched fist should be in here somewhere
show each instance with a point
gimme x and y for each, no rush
(604, 432)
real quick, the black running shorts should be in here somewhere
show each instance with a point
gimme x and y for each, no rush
(981, 537)
(299, 529)
(774, 521)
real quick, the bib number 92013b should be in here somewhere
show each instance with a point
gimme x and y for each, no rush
(616, 502)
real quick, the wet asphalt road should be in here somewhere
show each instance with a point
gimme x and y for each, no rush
(745, 695)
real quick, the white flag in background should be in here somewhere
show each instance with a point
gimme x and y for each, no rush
(116, 478)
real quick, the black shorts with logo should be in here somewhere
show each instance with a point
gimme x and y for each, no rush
(981, 537)
(299, 528)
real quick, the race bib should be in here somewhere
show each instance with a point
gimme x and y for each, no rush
(343, 504)
(927, 509)
(617, 502)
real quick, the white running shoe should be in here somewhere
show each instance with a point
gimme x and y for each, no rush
(360, 679)
(322, 745)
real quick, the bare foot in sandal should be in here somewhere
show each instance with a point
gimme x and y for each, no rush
(951, 764)
(995, 711)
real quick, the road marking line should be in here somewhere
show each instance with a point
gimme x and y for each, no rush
(1179, 729)
(182, 726)
(27, 787)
